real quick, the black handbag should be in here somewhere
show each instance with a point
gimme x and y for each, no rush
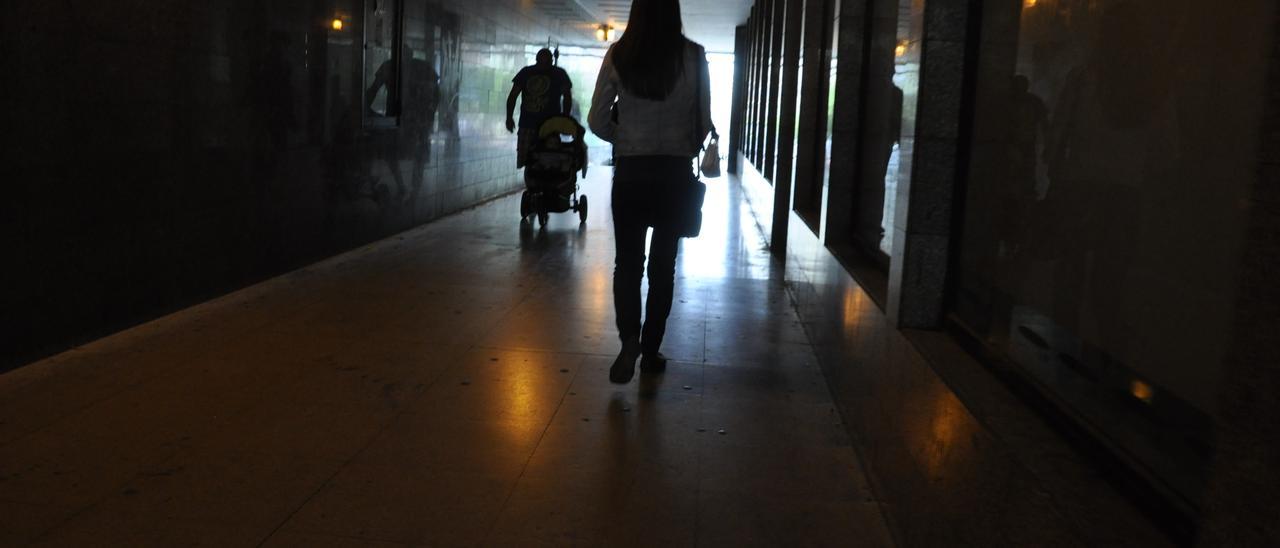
(689, 207)
(691, 195)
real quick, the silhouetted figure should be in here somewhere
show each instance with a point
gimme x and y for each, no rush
(658, 78)
(1012, 226)
(417, 110)
(884, 130)
(544, 91)
(1113, 131)
(1016, 197)
(421, 103)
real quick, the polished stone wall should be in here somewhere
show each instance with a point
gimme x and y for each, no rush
(954, 458)
(162, 153)
(1112, 150)
(1074, 190)
(1240, 504)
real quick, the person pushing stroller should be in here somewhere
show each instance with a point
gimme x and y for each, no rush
(544, 91)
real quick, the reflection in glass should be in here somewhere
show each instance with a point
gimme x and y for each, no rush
(1099, 250)
(904, 90)
(381, 63)
(889, 92)
(831, 58)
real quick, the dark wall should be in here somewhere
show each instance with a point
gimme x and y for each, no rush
(166, 152)
(1118, 145)
(1110, 168)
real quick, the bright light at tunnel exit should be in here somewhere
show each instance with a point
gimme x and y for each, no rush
(720, 65)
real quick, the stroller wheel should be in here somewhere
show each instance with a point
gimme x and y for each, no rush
(582, 209)
(526, 205)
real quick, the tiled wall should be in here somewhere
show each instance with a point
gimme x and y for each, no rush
(165, 152)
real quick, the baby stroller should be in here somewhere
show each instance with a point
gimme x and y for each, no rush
(551, 171)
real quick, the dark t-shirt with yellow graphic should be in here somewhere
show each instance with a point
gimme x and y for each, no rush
(541, 90)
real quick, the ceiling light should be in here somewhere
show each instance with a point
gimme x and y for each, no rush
(605, 33)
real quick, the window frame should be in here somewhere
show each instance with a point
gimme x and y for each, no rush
(394, 96)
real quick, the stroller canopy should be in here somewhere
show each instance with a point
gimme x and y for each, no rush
(551, 148)
(562, 125)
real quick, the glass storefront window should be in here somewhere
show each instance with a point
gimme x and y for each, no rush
(888, 120)
(1100, 245)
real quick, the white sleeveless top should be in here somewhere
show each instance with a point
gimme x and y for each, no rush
(650, 128)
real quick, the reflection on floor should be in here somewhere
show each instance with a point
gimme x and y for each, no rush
(445, 387)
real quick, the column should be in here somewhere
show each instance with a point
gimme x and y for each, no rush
(811, 115)
(922, 230)
(775, 87)
(784, 162)
(848, 42)
(738, 120)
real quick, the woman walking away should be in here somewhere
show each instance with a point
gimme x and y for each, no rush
(651, 102)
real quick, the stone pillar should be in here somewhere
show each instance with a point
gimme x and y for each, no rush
(774, 81)
(848, 43)
(811, 116)
(738, 118)
(922, 227)
(762, 80)
(784, 163)
(749, 137)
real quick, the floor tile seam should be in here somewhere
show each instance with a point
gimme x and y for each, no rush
(7, 500)
(703, 362)
(327, 481)
(81, 409)
(705, 321)
(356, 455)
(98, 502)
(698, 459)
(489, 330)
(877, 490)
(362, 539)
(490, 528)
(874, 487)
(816, 495)
(542, 351)
(244, 407)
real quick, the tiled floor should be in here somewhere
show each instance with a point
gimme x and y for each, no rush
(445, 387)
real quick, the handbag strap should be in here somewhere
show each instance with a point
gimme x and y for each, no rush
(697, 125)
(697, 110)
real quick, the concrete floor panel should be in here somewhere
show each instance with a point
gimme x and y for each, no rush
(446, 387)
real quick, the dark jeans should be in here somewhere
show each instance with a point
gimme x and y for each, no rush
(643, 190)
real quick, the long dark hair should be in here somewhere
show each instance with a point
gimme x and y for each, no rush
(650, 55)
